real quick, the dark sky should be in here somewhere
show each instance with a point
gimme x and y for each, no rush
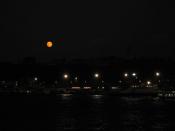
(86, 29)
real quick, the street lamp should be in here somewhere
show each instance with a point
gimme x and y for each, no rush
(96, 75)
(134, 74)
(65, 76)
(126, 75)
(148, 82)
(36, 78)
(157, 74)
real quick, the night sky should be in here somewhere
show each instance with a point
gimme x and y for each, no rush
(86, 29)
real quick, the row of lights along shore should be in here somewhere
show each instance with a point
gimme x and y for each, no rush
(134, 74)
(97, 75)
(66, 76)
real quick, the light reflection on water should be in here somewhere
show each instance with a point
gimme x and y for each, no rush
(97, 96)
(100, 112)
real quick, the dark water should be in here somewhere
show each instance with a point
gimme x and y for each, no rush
(86, 112)
(100, 112)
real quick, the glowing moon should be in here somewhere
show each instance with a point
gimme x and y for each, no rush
(49, 44)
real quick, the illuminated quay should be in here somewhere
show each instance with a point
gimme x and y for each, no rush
(96, 76)
(128, 84)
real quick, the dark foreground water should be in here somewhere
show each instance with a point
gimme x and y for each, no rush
(86, 112)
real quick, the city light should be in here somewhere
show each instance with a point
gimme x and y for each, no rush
(66, 95)
(36, 78)
(148, 82)
(115, 88)
(134, 74)
(87, 88)
(157, 74)
(76, 78)
(96, 75)
(76, 88)
(120, 81)
(126, 75)
(66, 76)
(97, 96)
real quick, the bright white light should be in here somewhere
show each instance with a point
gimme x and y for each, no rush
(126, 74)
(96, 75)
(148, 82)
(36, 78)
(134, 74)
(157, 74)
(66, 76)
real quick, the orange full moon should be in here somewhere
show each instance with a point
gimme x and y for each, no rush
(49, 44)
